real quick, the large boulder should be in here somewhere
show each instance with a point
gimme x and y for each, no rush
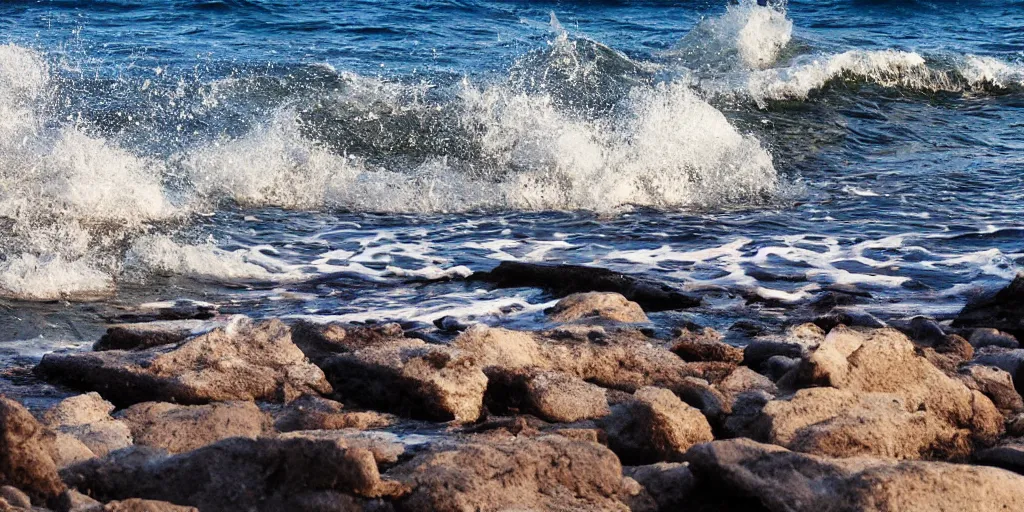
(540, 473)
(597, 306)
(654, 426)
(879, 397)
(1003, 310)
(266, 474)
(411, 378)
(25, 455)
(181, 428)
(785, 481)
(244, 361)
(87, 419)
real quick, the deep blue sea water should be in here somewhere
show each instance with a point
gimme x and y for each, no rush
(336, 159)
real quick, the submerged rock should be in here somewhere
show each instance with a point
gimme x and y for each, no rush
(541, 473)
(785, 481)
(181, 428)
(26, 460)
(265, 474)
(564, 280)
(597, 306)
(243, 361)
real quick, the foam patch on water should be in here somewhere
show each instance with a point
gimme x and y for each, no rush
(162, 255)
(27, 277)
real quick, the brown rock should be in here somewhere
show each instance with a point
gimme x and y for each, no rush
(782, 480)
(551, 396)
(412, 378)
(705, 346)
(68, 450)
(87, 418)
(742, 380)
(150, 334)
(183, 428)
(15, 497)
(663, 486)
(541, 473)
(597, 305)
(25, 455)
(1010, 361)
(995, 384)
(316, 413)
(320, 341)
(234, 474)
(385, 447)
(655, 426)
(986, 337)
(243, 361)
(137, 505)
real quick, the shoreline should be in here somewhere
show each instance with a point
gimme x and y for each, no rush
(600, 408)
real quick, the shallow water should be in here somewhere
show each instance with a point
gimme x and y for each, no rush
(345, 160)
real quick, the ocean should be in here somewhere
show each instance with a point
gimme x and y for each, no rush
(358, 160)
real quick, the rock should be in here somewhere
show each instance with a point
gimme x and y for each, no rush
(793, 482)
(985, 337)
(68, 450)
(1015, 425)
(15, 497)
(743, 380)
(137, 505)
(151, 334)
(880, 398)
(806, 334)
(385, 447)
(320, 341)
(182, 428)
(597, 305)
(778, 366)
(411, 378)
(1008, 455)
(705, 346)
(87, 418)
(1003, 310)
(1010, 361)
(563, 280)
(551, 396)
(264, 474)
(922, 330)
(849, 317)
(539, 473)
(757, 352)
(995, 384)
(664, 486)
(654, 426)
(78, 502)
(315, 413)
(25, 455)
(243, 361)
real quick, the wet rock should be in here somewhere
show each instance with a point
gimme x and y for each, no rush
(654, 426)
(320, 341)
(922, 330)
(663, 486)
(87, 418)
(1009, 455)
(757, 352)
(1010, 361)
(540, 473)
(995, 384)
(984, 337)
(243, 361)
(450, 324)
(705, 346)
(15, 497)
(181, 428)
(563, 280)
(849, 317)
(151, 334)
(266, 474)
(25, 455)
(1003, 310)
(316, 413)
(782, 480)
(411, 378)
(596, 306)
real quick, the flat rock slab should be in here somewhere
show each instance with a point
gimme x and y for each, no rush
(243, 361)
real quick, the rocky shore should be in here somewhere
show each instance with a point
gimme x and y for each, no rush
(601, 411)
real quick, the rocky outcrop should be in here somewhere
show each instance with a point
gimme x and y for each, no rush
(1003, 310)
(540, 473)
(317, 413)
(877, 397)
(264, 474)
(244, 361)
(596, 306)
(87, 419)
(784, 481)
(562, 280)
(181, 428)
(26, 460)
(654, 426)
(411, 378)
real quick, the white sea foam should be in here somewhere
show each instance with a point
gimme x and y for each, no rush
(160, 254)
(746, 36)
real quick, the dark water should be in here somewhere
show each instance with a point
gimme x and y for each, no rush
(335, 159)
